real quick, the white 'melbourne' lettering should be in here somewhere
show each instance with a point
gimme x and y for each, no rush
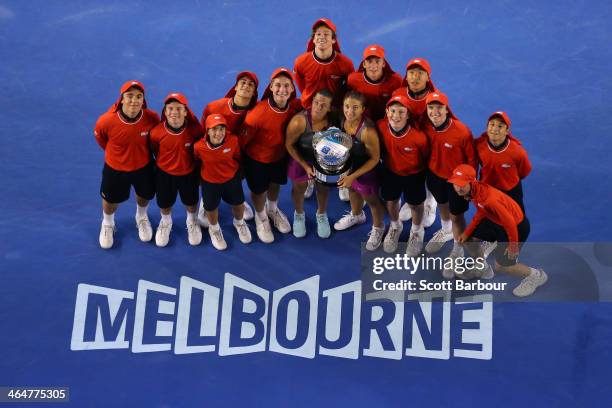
(484, 334)
(393, 328)
(208, 319)
(426, 304)
(333, 320)
(247, 329)
(163, 328)
(107, 314)
(290, 319)
(418, 325)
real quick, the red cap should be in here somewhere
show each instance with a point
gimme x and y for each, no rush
(215, 120)
(124, 88)
(504, 117)
(438, 97)
(278, 72)
(423, 64)
(419, 62)
(180, 98)
(401, 99)
(328, 23)
(374, 50)
(463, 175)
(251, 75)
(132, 84)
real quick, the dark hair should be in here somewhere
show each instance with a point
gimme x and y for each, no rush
(355, 95)
(324, 92)
(322, 24)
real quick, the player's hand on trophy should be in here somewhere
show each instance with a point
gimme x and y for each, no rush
(346, 181)
(310, 171)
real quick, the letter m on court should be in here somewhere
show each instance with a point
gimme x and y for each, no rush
(101, 318)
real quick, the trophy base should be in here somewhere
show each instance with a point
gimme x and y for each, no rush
(327, 179)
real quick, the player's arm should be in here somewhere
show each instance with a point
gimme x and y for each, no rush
(372, 145)
(100, 135)
(295, 128)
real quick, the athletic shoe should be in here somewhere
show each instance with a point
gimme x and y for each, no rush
(216, 238)
(392, 238)
(375, 238)
(299, 225)
(248, 212)
(415, 243)
(202, 219)
(106, 236)
(488, 272)
(323, 229)
(309, 189)
(348, 220)
(477, 273)
(162, 236)
(437, 241)
(429, 214)
(530, 283)
(488, 247)
(264, 230)
(279, 219)
(343, 193)
(194, 233)
(405, 213)
(145, 232)
(456, 252)
(244, 233)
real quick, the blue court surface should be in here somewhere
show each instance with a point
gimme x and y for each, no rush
(274, 325)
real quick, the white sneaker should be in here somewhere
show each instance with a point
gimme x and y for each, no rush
(488, 247)
(478, 273)
(415, 242)
(309, 189)
(106, 236)
(405, 213)
(343, 193)
(145, 232)
(248, 212)
(437, 241)
(375, 238)
(194, 233)
(264, 230)
(244, 233)
(456, 252)
(202, 219)
(530, 283)
(279, 219)
(216, 238)
(429, 214)
(348, 220)
(162, 235)
(392, 238)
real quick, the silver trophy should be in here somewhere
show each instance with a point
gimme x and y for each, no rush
(331, 150)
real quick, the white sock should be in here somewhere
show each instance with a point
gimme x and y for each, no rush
(141, 212)
(534, 272)
(395, 224)
(428, 194)
(191, 216)
(447, 225)
(416, 227)
(272, 205)
(262, 215)
(238, 221)
(166, 218)
(214, 227)
(108, 219)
